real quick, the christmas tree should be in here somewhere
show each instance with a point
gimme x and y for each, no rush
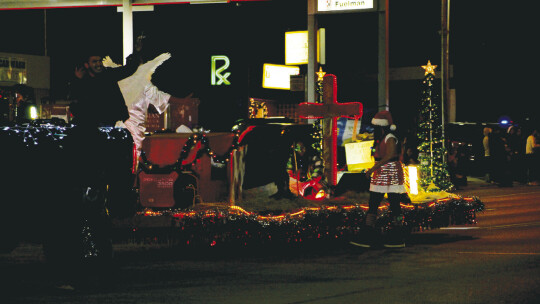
(317, 125)
(434, 174)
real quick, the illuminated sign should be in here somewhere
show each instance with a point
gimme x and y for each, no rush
(217, 77)
(13, 70)
(296, 47)
(278, 76)
(344, 5)
(358, 155)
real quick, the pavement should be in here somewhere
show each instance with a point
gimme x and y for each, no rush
(477, 186)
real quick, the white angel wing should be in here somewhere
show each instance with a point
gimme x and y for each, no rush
(133, 87)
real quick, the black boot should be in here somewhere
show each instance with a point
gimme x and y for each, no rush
(369, 235)
(395, 238)
(368, 238)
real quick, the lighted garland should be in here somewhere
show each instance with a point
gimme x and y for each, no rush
(234, 226)
(30, 135)
(47, 135)
(255, 106)
(191, 142)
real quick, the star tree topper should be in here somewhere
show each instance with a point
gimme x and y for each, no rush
(320, 74)
(430, 69)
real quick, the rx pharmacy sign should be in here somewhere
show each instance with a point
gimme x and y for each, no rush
(219, 65)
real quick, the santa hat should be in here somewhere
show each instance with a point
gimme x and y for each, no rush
(384, 119)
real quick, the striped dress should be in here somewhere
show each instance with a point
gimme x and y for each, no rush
(390, 177)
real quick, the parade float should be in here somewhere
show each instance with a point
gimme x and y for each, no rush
(321, 210)
(203, 189)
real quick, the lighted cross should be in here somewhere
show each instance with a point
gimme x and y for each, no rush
(329, 111)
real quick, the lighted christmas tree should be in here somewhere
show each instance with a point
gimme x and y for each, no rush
(317, 126)
(434, 174)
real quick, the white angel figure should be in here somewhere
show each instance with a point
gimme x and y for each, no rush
(139, 93)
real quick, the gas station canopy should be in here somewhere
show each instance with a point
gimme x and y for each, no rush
(127, 7)
(46, 4)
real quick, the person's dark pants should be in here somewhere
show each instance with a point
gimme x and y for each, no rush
(375, 199)
(488, 169)
(531, 161)
(518, 168)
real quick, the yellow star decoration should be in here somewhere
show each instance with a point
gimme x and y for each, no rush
(430, 69)
(320, 73)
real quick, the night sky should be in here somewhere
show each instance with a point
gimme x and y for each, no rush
(491, 48)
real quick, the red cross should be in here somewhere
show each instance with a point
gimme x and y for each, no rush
(329, 111)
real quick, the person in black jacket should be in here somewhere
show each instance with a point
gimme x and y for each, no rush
(97, 99)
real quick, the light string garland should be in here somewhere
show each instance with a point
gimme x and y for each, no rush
(232, 226)
(199, 141)
(43, 135)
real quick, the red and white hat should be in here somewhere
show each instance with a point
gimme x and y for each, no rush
(384, 119)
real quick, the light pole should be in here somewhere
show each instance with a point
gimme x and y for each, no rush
(445, 84)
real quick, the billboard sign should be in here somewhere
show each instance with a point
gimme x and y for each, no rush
(13, 70)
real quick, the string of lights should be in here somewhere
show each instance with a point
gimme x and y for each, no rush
(233, 225)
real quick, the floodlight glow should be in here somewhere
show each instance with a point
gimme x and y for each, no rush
(413, 179)
(33, 113)
(321, 194)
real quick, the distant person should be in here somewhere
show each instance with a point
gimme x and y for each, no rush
(388, 178)
(500, 159)
(304, 164)
(457, 166)
(515, 146)
(532, 150)
(487, 154)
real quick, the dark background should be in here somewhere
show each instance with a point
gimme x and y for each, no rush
(491, 49)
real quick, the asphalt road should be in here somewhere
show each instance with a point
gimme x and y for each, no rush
(495, 261)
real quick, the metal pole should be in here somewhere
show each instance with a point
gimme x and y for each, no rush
(445, 4)
(45, 31)
(382, 77)
(127, 23)
(312, 50)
